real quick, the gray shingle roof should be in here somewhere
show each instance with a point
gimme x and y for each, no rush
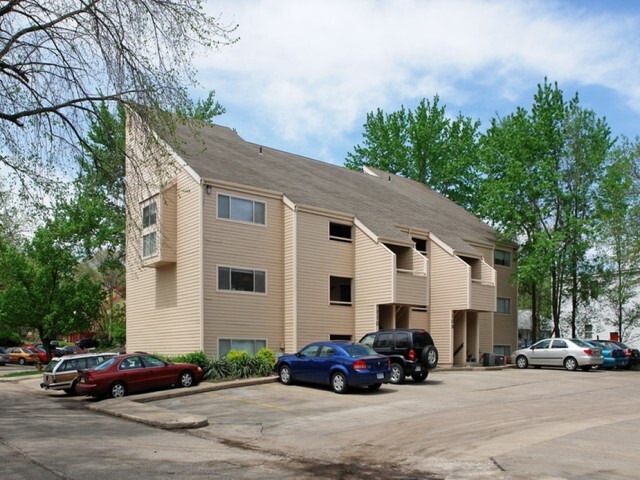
(381, 203)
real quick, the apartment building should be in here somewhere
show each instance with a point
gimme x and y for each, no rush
(234, 245)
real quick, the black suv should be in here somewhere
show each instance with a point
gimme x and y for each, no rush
(412, 352)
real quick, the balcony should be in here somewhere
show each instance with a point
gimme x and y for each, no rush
(411, 281)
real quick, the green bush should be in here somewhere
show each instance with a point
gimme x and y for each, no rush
(196, 358)
(219, 369)
(267, 356)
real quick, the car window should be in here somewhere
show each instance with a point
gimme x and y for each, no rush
(107, 364)
(357, 350)
(51, 365)
(580, 343)
(152, 362)
(326, 351)
(309, 351)
(542, 344)
(402, 340)
(130, 363)
(385, 340)
(369, 339)
(559, 344)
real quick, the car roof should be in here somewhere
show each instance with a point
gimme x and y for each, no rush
(85, 355)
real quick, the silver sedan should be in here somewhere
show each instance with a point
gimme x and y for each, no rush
(570, 353)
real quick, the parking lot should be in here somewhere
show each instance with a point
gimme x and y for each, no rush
(533, 423)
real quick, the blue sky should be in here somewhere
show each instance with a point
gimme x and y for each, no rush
(304, 74)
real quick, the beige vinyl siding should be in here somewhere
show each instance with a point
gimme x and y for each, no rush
(163, 304)
(243, 315)
(411, 289)
(420, 320)
(318, 258)
(374, 267)
(290, 312)
(506, 325)
(449, 288)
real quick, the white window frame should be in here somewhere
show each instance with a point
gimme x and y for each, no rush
(235, 220)
(338, 302)
(507, 256)
(507, 302)
(341, 239)
(246, 269)
(150, 229)
(238, 339)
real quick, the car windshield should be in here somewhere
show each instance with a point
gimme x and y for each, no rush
(357, 350)
(580, 343)
(107, 364)
(51, 365)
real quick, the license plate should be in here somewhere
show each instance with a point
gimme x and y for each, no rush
(380, 376)
(418, 368)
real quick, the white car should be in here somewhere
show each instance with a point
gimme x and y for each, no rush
(570, 353)
(62, 372)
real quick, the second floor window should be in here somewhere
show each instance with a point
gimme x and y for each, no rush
(504, 305)
(339, 291)
(242, 280)
(340, 232)
(241, 209)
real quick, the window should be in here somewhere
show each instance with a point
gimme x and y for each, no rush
(504, 305)
(241, 209)
(385, 340)
(369, 339)
(152, 362)
(310, 351)
(559, 344)
(149, 244)
(327, 351)
(340, 232)
(149, 214)
(339, 291)
(402, 340)
(333, 336)
(251, 346)
(502, 350)
(242, 280)
(502, 257)
(421, 245)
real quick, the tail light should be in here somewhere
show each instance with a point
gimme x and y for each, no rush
(627, 352)
(412, 355)
(588, 351)
(359, 365)
(389, 362)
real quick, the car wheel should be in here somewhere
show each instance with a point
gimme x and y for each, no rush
(374, 387)
(339, 382)
(397, 374)
(522, 361)
(570, 363)
(430, 357)
(186, 379)
(419, 377)
(118, 390)
(22, 361)
(285, 375)
(71, 391)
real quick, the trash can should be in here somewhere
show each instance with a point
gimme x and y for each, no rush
(488, 359)
(499, 359)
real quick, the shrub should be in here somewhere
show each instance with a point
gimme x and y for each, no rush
(219, 369)
(267, 356)
(196, 358)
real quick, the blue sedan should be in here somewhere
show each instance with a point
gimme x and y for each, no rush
(340, 364)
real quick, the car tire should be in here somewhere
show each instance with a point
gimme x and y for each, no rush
(522, 362)
(117, 390)
(22, 361)
(71, 391)
(339, 382)
(374, 387)
(430, 357)
(285, 375)
(419, 377)
(186, 379)
(570, 364)
(397, 376)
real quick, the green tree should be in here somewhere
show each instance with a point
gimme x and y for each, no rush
(424, 145)
(540, 171)
(619, 223)
(59, 60)
(43, 291)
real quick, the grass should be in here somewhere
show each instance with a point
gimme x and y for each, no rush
(22, 374)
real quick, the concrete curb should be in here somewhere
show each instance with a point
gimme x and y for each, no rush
(137, 408)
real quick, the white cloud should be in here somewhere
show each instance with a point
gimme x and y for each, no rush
(315, 67)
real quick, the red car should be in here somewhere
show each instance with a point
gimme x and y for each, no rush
(124, 374)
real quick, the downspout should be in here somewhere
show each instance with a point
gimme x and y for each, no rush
(201, 261)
